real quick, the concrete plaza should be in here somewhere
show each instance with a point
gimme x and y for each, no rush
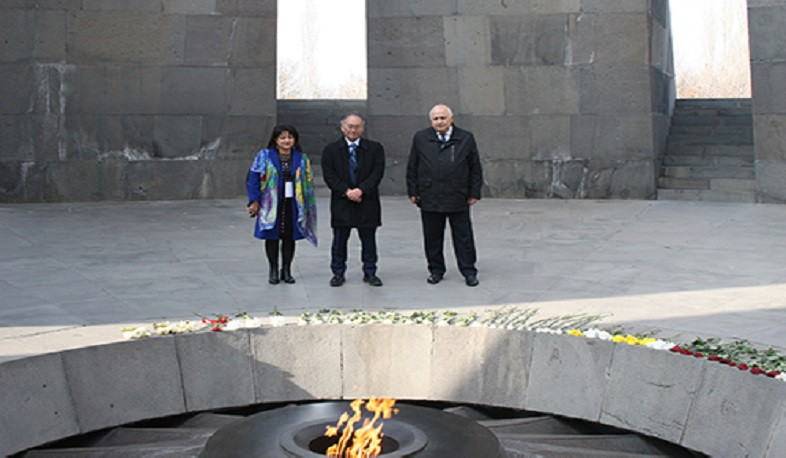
(72, 274)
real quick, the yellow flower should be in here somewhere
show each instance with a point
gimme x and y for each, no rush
(576, 332)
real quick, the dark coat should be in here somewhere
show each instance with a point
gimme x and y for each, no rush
(371, 168)
(444, 175)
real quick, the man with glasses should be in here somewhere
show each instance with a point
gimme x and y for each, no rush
(353, 168)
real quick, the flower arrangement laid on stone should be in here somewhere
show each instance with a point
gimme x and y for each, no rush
(740, 354)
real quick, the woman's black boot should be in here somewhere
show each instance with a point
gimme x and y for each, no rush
(273, 276)
(271, 249)
(286, 275)
(287, 253)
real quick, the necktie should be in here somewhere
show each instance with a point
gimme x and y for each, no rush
(353, 162)
(442, 138)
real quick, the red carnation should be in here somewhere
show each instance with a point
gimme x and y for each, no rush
(773, 374)
(756, 370)
(698, 355)
(714, 358)
(216, 328)
(743, 367)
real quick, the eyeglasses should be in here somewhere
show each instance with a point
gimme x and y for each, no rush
(353, 126)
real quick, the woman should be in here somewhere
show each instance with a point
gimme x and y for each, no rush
(281, 198)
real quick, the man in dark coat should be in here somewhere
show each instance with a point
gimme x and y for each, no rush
(353, 168)
(444, 178)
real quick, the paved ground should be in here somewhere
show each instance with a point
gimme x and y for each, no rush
(73, 274)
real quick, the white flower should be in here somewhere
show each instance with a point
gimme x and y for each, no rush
(781, 377)
(597, 334)
(302, 322)
(661, 345)
(277, 321)
(136, 332)
(549, 331)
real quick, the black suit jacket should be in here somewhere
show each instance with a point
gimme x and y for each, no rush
(371, 169)
(444, 175)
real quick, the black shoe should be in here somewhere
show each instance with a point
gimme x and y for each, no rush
(286, 276)
(372, 280)
(433, 279)
(337, 280)
(472, 280)
(273, 276)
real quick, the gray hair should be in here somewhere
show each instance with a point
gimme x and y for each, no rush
(353, 113)
(450, 112)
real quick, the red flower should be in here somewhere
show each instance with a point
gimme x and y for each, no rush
(773, 374)
(743, 367)
(698, 355)
(732, 364)
(756, 370)
(216, 328)
(725, 361)
(714, 358)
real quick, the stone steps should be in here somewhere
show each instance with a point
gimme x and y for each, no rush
(709, 152)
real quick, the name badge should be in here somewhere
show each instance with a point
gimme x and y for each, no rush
(289, 190)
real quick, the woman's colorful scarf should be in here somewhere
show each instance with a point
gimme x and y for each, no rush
(304, 193)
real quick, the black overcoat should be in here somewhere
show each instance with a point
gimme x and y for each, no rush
(444, 175)
(371, 169)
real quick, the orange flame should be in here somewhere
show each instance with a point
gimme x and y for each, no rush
(363, 442)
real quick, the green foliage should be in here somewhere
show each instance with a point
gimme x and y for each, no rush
(740, 351)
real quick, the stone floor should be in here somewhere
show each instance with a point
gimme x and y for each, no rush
(73, 274)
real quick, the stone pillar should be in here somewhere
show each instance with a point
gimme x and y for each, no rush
(567, 98)
(150, 99)
(767, 28)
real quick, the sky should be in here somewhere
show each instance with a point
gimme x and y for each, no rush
(710, 45)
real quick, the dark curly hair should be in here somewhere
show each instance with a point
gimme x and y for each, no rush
(278, 130)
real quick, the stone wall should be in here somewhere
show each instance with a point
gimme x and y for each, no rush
(766, 19)
(130, 100)
(566, 98)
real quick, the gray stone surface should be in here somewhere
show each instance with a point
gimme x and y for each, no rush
(466, 40)
(767, 79)
(384, 8)
(727, 405)
(409, 42)
(124, 382)
(36, 394)
(386, 361)
(406, 91)
(130, 81)
(777, 444)
(765, 23)
(482, 366)
(297, 363)
(216, 370)
(568, 376)
(656, 397)
(542, 90)
(771, 185)
(557, 60)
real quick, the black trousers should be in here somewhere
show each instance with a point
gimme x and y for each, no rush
(368, 249)
(463, 241)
